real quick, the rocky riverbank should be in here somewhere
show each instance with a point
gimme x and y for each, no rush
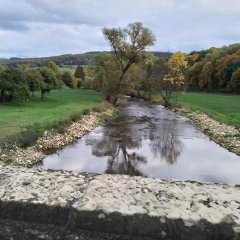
(223, 134)
(51, 141)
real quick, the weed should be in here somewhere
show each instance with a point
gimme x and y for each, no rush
(85, 111)
(75, 116)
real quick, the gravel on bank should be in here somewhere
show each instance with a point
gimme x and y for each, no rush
(225, 135)
(52, 141)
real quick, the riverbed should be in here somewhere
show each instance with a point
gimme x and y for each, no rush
(149, 140)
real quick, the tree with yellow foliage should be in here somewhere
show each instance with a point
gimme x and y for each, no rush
(174, 80)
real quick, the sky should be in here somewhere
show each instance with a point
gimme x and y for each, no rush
(35, 28)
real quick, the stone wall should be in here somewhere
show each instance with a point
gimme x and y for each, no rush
(161, 209)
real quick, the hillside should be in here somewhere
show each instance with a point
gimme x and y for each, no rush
(62, 60)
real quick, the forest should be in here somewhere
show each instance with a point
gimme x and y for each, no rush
(215, 70)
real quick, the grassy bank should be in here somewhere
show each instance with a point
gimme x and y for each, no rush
(59, 104)
(221, 107)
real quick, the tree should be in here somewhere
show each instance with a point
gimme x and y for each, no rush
(174, 80)
(69, 80)
(90, 81)
(206, 77)
(193, 73)
(80, 73)
(34, 79)
(212, 69)
(53, 66)
(50, 81)
(79, 83)
(128, 45)
(106, 74)
(2, 68)
(234, 83)
(140, 78)
(13, 85)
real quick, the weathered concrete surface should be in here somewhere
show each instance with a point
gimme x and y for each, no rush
(137, 206)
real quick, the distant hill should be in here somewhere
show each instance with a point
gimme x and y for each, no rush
(68, 59)
(62, 60)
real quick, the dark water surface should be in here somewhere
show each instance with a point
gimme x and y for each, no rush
(151, 141)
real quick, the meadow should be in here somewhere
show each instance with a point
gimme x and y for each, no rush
(68, 68)
(59, 104)
(224, 108)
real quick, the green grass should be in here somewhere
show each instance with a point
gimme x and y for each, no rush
(59, 104)
(222, 107)
(71, 69)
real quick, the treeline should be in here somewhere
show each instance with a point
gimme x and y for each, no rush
(215, 70)
(212, 70)
(68, 59)
(63, 60)
(147, 76)
(21, 82)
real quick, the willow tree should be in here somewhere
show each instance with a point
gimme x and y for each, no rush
(128, 46)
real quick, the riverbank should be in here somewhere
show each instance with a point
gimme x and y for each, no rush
(221, 107)
(51, 141)
(58, 105)
(225, 135)
(215, 114)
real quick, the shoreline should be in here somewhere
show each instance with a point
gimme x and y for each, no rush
(227, 136)
(52, 141)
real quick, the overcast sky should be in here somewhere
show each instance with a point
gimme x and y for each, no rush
(30, 28)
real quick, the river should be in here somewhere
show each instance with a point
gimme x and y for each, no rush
(149, 140)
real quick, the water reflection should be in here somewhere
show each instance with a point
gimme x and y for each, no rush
(151, 141)
(118, 146)
(165, 143)
(125, 135)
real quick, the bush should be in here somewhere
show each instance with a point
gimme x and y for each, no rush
(8, 145)
(29, 136)
(85, 111)
(69, 80)
(103, 106)
(75, 116)
(121, 101)
(60, 125)
(79, 83)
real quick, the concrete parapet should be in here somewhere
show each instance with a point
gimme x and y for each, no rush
(138, 206)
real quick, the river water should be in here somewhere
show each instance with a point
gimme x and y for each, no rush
(148, 140)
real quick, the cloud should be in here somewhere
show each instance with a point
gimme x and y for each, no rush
(52, 27)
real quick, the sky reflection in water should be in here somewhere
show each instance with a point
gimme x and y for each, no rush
(151, 141)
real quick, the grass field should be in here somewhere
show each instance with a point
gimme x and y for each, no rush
(71, 68)
(222, 107)
(59, 104)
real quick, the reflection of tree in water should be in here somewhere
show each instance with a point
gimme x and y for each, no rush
(125, 163)
(126, 134)
(116, 145)
(165, 143)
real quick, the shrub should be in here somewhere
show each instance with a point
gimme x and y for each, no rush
(75, 116)
(103, 106)
(85, 111)
(8, 145)
(29, 136)
(79, 83)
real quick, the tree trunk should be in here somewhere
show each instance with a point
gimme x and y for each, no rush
(3, 95)
(119, 85)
